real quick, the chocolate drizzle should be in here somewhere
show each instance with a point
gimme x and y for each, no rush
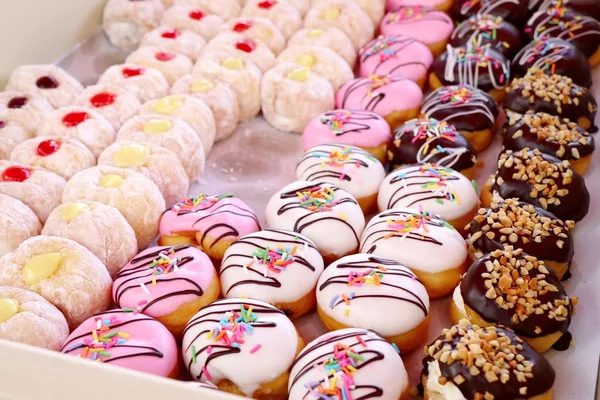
(373, 96)
(393, 48)
(352, 121)
(320, 170)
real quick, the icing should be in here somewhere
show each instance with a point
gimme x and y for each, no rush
(426, 25)
(586, 7)
(511, 10)
(487, 30)
(41, 267)
(248, 342)
(73, 210)
(301, 74)
(433, 386)
(131, 156)
(393, 5)
(8, 309)
(111, 181)
(156, 126)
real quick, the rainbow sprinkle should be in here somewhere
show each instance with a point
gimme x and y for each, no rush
(231, 330)
(165, 263)
(97, 347)
(407, 13)
(200, 202)
(318, 199)
(456, 94)
(336, 120)
(429, 129)
(375, 82)
(275, 260)
(337, 157)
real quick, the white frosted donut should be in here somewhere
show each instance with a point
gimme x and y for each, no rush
(17, 223)
(11, 134)
(284, 15)
(329, 37)
(291, 96)
(185, 42)
(259, 29)
(62, 155)
(226, 9)
(146, 83)
(375, 9)
(125, 22)
(193, 19)
(327, 215)
(240, 45)
(172, 65)
(242, 75)
(26, 109)
(266, 353)
(378, 366)
(115, 103)
(49, 81)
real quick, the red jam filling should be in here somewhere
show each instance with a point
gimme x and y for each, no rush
(130, 72)
(46, 82)
(47, 148)
(103, 99)
(242, 26)
(246, 45)
(15, 174)
(266, 4)
(73, 119)
(164, 56)
(17, 102)
(2, 124)
(197, 15)
(171, 34)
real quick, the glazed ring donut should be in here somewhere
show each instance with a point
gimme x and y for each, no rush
(194, 19)
(329, 37)
(284, 15)
(259, 29)
(11, 135)
(25, 109)
(115, 103)
(125, 22)
(240, 45)
(172, 65)
(17, 224)
(146, 83)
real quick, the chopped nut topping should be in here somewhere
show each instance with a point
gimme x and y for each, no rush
(556, 89)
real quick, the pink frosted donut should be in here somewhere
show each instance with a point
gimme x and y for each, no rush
(396, 55)
(134, 341)
(443, 5)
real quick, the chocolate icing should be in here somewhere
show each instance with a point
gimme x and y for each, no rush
(481, 30)
(355, 121)
(514, 11)
(585, 7)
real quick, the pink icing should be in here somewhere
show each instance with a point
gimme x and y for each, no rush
(181, 273)
(352, 127)
(396, 55)
(382, 94)
(426, 25)
(393, 5)
(144, 345)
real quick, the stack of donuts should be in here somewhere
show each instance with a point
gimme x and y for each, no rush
(104, 254)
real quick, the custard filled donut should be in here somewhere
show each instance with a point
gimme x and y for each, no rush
(100, 228)
(55, 268)
(159, 164)
(125, 22)
(210, 222)
(226, 9)
(146, 83)
(326, 214)
(127, 340)
(424, 141)
(284, 15)
(172, 65)
(437, 189)
(406, 234)
(354, 290)
(275, 266)
(17, 224)
(49, 81)
(258, 29)
(539, 179)
(134, 195)
(488, 29)
(375, 9)
(469, 362)
(192, 18)
(442, 5)
(377, 367)
(38, 188)
(11, 134)
(167, 283)
(292, 95)
(240, 45)
(329, 37)
(514, 11)
(350, 168)
(245, 347)
(115, 103)
(185, 42)
(25, 109)
(27, 317)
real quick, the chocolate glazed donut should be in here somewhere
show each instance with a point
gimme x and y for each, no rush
(590, 8)
(514, 11)
(482, 30)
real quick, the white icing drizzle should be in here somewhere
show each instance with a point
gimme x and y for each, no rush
(487, 6)
(468, 70)
(567, 34)
(477, 101)
(551, 56)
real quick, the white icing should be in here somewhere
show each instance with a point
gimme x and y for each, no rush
(458, 300)
(437, 391)
(468, 69)
(487, 7)
(568, 34)
(477, 102)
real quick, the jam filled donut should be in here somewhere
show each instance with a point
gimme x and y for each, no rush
(470, 362)
(514, 11)
(11, 134)
(406, 234)
(49, 81)
(185, 42)
(17, 224)
(423, 141)
(396, 55)
(26, 109)
(394, 97)
(243, 346)
(125, 22)
(539, 179)
(473, 112)
(275, 266)
(146, 83)
(553, 56)
(377, 369)
(167, 283)
(490, 30)
(125, 339)
(54, 268)
(100, 228)
(552, 135)
(211, 222)
(283, 14)
(329, 37)
(192, 18)
(172, 65)
(478, 66)
(430, 27)
(354, 290)
(239, 45)
(38, 188)
(23, 312)
(258, 29)
(114, 102)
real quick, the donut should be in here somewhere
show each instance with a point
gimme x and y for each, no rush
(402, 55)
(100, 228)
(258, 29)
(479, 66)
(49, 81)
(194, 19)
(354, 290)
(350, 168)
(556, 56)
(172, 65)
(329, 37)
(394, 97)
(292, 95)
(11, 135)
(125, 22)
(442, 5)
(375, 9)
(38, 188)
(55, 268)
(125, 339)
(431, 27)
(514, 11)
(471, 111)
(210, 222)
(134, 195)
(17, 224)
(27, 318)
(275, 266)
(552, 135)
(240, 45)
(456, 365)
(487, 29)
(284, 15)
(185, 42)
(203, 385)
(226, 9)
(25, 109)
(301, 5)
(115, 103)
(378, 370)
(326, 214)
(225, 342)
(146, 83)
(585, 7)
(406, 234)
(539, 179)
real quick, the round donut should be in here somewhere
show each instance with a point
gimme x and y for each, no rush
(442, 5)
(115, 103)
(585, 7)
(146, 83)
(258, 29)
(514, 11)
(125, 22)
(172, 65)
(329, 37)
(191, 18)
(17, 224)
(373, 8)
(25, 109)
(11, 135)
(284, 15)
(185, 42)
(240, 45)
(490, 30)
(226, 9)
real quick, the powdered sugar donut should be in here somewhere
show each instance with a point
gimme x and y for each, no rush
(172, 65)
(442, 5)
(115, 103)
(226, 9)
(239, 45)
(292, 95)
(146, 83)
(284, 15)
(17, 224)
(26, 109)
(159, 164)
(49, 81)
(257, 28)
(185, 42)
(63, 156)
(84, 124)
(100, 228)
(11, 134)
(331, 38)
(373, 8)
(36, 187)
(194, 19)
(125, 22)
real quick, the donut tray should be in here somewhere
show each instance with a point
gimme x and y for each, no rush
(254, 163)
